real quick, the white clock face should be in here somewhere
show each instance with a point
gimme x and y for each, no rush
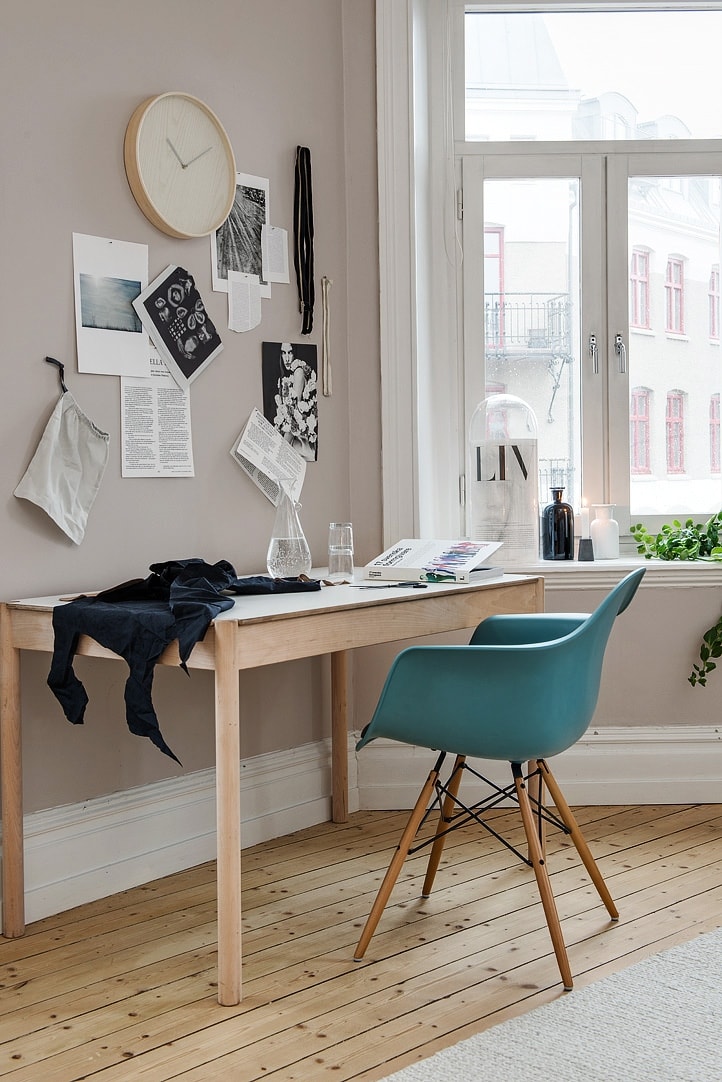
(185, 165)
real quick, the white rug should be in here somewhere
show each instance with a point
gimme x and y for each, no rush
(658, 1021)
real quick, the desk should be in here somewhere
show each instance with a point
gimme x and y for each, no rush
(258, 630)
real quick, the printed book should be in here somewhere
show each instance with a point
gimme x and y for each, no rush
(417, 560)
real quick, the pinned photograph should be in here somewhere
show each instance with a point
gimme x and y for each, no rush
(290, 394)
(108, 275)
(238, 244)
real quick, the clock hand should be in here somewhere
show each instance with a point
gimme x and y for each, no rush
(197, 157)
(182, 163)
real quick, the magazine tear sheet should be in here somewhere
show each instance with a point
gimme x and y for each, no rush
(264, 455)
(155, 424)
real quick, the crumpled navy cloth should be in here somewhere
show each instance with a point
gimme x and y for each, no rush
(139, 619)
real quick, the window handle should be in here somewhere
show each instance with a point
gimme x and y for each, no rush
(621, 350)
(594, 353)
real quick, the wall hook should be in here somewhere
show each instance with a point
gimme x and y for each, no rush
(61, 372)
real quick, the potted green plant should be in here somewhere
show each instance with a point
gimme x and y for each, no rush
(689, 541)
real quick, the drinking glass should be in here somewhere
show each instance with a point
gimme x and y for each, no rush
(340, 551)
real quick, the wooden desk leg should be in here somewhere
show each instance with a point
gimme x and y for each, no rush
(11, 780)
(339, 736)
(228, 815)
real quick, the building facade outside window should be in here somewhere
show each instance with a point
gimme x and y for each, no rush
(494, 278)
(714, 304)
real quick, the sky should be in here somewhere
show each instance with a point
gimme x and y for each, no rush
(664, 62)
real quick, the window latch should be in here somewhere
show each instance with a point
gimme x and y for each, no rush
(594, 353)
(621, 350)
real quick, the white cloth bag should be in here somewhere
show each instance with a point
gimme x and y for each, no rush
(66, 470)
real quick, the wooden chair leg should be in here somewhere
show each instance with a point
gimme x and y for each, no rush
(445, 814)
(542, 878)
(567, 817)
(536, 792)
(392, 872)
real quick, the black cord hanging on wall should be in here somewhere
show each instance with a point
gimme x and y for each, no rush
(303, 237)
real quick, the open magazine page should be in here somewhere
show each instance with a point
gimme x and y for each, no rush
(414, 558)
(267, 458)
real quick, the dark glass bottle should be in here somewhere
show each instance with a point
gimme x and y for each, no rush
(557, 529)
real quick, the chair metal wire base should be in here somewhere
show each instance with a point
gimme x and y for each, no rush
(475, 812)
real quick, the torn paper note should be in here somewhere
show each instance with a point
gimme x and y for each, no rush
(244, 301)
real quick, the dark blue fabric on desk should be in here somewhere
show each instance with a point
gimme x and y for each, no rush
(139, 619)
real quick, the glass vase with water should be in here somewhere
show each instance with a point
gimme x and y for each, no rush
(288, 553)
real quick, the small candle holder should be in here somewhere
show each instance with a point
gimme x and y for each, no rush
(586, 549)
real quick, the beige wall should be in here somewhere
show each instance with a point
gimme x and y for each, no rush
(279, 73)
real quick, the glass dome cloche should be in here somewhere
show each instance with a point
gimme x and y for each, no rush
(503, 477)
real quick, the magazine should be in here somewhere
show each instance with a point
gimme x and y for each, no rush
(265, 456)
(173, 314)
(416, 560)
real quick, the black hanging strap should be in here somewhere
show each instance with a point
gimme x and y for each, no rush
(303, 237)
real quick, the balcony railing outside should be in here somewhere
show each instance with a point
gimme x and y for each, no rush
(555, 473)
(527, 323)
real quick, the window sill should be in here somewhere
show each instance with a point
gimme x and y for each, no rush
(604, 574)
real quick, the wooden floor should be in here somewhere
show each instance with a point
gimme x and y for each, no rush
(123, 989)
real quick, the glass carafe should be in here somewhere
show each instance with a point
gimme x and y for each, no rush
(288, 553)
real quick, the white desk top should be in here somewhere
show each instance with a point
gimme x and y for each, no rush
(250, 607)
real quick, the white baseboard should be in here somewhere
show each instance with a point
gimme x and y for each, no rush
(80, 852)
(641, 765)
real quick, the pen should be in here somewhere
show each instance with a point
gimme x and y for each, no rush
(391, 585)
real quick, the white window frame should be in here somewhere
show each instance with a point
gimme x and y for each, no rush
(423, 427)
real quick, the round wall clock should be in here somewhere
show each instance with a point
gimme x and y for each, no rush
(180, 165)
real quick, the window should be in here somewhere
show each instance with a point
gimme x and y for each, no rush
(584, 250)
(528, 332)
(639, 290)
(674, 296)
(675, 432)
(581, 225)
(714, 434)
(639, 443)
(559, 335)
(714, 304)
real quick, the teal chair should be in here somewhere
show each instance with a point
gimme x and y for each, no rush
(524, 689)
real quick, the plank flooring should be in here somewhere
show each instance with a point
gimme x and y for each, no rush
(122, 990)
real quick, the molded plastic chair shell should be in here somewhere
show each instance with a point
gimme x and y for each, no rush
(524, 688)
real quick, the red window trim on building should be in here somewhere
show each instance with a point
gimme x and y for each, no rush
(674, 422)
(674, 296)
(639, 290)
(639, 420)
